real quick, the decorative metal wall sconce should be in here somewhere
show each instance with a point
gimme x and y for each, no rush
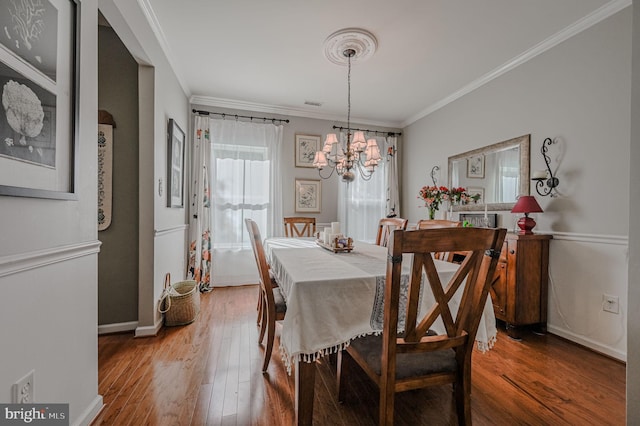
(434, 172)
(546, 182)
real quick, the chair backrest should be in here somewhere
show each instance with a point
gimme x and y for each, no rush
(261, 259)
(483, 246)
(299, 226)
(441, 223)
(437, 223)
(386, 226)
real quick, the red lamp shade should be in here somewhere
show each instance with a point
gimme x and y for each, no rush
(526, 204)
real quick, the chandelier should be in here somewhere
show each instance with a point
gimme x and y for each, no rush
(356, 154)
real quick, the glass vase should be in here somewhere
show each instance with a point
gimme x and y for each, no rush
(432, 213)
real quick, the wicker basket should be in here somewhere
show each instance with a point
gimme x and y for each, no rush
(180, 302)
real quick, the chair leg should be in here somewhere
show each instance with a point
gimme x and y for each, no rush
(259, 308)
(263, 320)
(387, 400)
(342, 369)
(462, 389)
(271, 331)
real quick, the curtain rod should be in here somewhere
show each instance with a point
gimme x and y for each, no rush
(236, 116)
(369, 131)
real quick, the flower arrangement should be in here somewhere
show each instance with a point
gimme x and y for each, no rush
(461, 196)
(433, 196)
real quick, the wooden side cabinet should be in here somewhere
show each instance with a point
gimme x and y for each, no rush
(519, 287)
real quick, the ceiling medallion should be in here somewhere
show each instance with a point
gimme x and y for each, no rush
(362, 42)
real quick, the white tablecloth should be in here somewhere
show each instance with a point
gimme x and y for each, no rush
(330, 296)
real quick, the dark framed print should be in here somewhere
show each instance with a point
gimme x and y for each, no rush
(306, 147)
(175, 165)
(38, 88)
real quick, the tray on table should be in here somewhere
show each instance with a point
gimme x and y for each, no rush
(335, 248)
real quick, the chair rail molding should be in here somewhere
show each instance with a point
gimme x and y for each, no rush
(620, 240)
(17, 263)
(170, 230)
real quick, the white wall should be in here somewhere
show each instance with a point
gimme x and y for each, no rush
(578, 92)
(48, 270)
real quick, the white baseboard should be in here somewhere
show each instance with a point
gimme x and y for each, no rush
(581, 340)
(149, 330)
(117, 327)
(90, 413)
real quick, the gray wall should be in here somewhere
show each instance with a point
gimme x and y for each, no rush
(162, 231)
(578, 92)
(118, 259)
(633, 346)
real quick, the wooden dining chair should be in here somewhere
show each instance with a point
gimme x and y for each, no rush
(418, 357)
(437, 223)
(272, 306)
(388, 225)
(299, 226)
(442, 223)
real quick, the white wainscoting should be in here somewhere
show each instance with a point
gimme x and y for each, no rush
(170, 256)
(582, 268)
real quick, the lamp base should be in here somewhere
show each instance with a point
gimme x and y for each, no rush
(526, 224)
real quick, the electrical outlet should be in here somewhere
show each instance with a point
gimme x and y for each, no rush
(23, 389)
(610, 304)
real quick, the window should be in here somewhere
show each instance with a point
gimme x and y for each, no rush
(241, 190)
(363, 203)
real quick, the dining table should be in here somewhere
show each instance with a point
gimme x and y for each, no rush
(335, 297)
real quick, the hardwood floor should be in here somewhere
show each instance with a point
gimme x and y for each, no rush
(208, 373)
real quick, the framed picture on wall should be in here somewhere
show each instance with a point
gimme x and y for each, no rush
(306, 147)
(475, 166)
(308, 196)
(39, 114)
(473, 190)
(175, 165)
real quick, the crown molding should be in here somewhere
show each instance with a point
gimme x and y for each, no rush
(152, 19)
(588, 21)
(274, 109)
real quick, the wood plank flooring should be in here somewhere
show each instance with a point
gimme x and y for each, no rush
(208, 373)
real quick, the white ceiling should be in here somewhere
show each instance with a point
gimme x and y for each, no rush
(268, 55)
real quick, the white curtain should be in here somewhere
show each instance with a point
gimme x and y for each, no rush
(247, 183)
(199, 263)
(361, 204)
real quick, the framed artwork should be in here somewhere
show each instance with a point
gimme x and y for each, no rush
(308, 196)
(175, 165)
(475, 166)
(472, 190)
(38, 87)
(306, 147)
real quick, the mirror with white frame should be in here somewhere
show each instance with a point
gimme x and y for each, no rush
(498, 172)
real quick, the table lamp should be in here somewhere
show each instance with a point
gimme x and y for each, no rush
(526, 204)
